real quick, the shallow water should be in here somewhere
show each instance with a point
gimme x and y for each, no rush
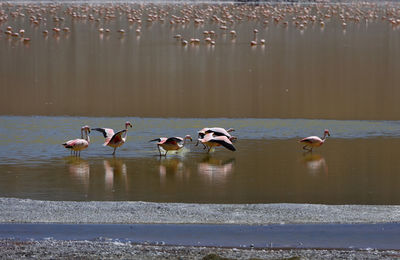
(357, 165)
(355, 236)
(328, 72)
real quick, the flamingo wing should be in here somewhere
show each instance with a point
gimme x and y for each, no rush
(108, 133)
(224, 141)
(70, 143)
(174, 140)
(160, 140)
(117, 137)
(219, 131)
(311, 140)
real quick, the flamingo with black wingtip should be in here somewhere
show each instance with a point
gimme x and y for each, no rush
(314, 141)
(210, 141)
(77, 145)
(171, 143)
(217, 131)
(114, 140)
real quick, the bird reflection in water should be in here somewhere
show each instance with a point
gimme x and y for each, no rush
(315, 163)
(115, 171)
(214, 169)
(79, 169)
(170, 167)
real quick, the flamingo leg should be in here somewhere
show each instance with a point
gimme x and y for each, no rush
(159, 151)
(114, 151)
(307, 149)
(165, 153)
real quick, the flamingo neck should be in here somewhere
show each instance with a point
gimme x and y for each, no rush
(87, 137)
(81, 134)
(184, 141)
(324, 138)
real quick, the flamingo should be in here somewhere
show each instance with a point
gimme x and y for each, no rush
(210, 141)
(314, 141)
(217, 131)
(114, 140)
(77, 145)
(171, 143)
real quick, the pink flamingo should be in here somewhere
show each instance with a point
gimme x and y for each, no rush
(210, 141)
(217, 131)
(114, 140)
(314, 141)
(171, 143)
(77, 145)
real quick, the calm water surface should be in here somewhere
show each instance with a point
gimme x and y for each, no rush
(358, 164)
(330, 72)
(344, 73)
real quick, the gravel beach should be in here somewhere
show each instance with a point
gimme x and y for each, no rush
(33, 211)
(14, 210)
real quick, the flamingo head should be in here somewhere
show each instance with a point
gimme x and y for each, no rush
(86, 128)
(230, 130)
(127, 123)
(189, 137)
(202, 132)
(326, 132)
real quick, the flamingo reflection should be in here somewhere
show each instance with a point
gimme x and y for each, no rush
(170, 166)
(79, 169)
(315, 163)
(115, 169)
(215, 169)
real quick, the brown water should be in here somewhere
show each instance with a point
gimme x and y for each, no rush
(352, 168)
(330, 72)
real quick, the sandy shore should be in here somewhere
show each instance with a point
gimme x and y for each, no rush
(33, 211)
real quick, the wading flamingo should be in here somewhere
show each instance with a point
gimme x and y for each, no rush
(217, 131)
(77, 145)
(210, 141)
(171, 143)
(314, 141)
(114, 140)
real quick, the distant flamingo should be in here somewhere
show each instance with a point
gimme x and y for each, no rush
(77, 145)
(114, 140)
(314, 141)
(211, 141)
(171, 143)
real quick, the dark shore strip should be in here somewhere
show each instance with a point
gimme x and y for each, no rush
(54, 249)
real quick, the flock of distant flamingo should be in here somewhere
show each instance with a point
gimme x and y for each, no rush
(209, 137)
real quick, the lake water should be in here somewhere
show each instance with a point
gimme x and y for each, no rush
(330, 72)
(357, 165)
(306, 78)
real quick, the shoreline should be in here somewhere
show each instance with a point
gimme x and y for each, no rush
(13, 210)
